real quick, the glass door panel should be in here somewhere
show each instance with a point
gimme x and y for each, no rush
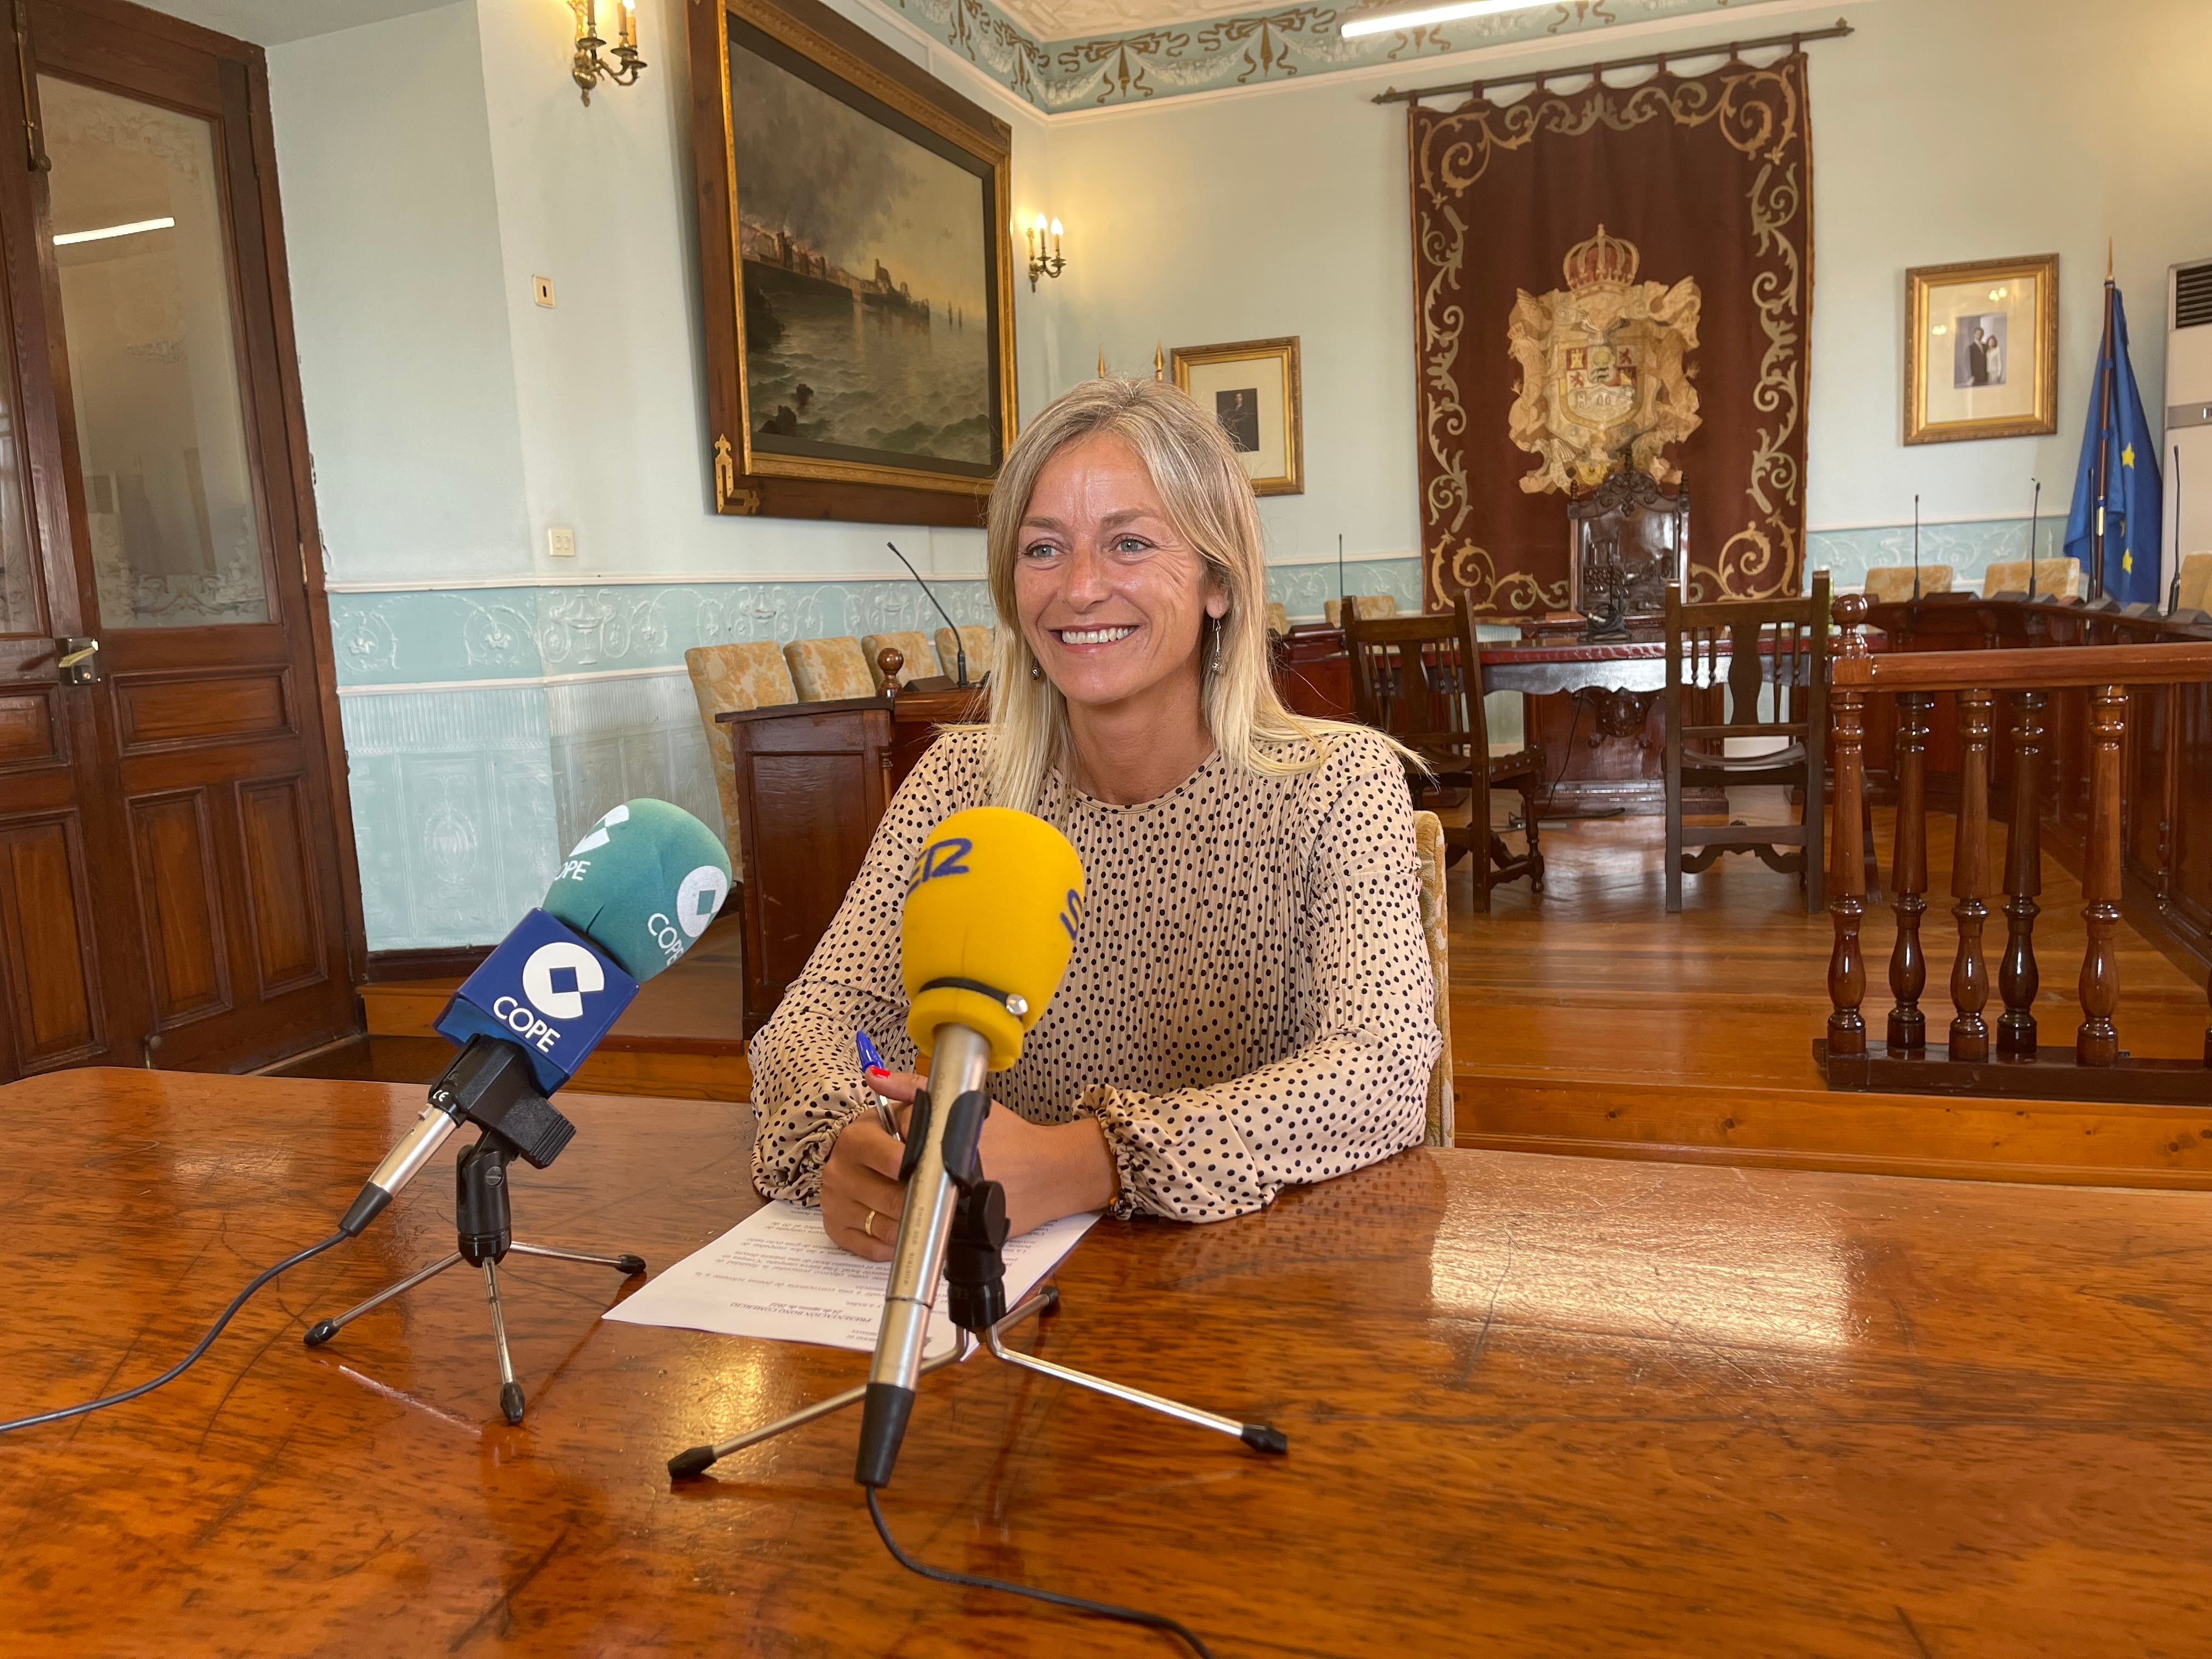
(136, 202)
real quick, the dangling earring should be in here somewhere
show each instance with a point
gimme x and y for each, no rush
(1214, 666)
(1037, 669)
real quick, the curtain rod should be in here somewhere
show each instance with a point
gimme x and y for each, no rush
(1537, 78)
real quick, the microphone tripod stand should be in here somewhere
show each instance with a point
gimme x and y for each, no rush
(976, 1298)
(484, 1225)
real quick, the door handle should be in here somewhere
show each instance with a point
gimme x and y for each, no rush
(78, 663)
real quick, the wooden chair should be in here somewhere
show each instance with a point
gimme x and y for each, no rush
(827, 671)
(1627, 540)
(1419, 679)
(1366, 606)
(1725, 659)
(1891, 584)
(1436, 930)
(921, 656)
(752, 675)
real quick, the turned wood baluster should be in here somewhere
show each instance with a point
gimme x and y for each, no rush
(2018, 978)
(1969, 983)
(1847, 869)
(2098, 1041)
(1908, 876)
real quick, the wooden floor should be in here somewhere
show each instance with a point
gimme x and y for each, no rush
(1698, 1028)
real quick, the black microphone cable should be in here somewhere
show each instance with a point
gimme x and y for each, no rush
(1102, 1609)
(199, 1348)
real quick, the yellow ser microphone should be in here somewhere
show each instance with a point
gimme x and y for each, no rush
(993, 906)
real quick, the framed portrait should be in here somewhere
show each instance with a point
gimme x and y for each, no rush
(1981, 350)
(855, 272)
(1252, 387)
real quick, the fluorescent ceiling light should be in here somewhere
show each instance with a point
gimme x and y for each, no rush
(1389, 22)
(106, 231)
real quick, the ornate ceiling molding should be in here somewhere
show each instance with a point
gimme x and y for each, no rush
(1174, 48)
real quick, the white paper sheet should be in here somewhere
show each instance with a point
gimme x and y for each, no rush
(776, 1274)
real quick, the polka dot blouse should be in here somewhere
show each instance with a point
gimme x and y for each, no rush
(1248, 1006)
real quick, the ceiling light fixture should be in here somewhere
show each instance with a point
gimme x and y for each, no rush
(135, 226)
(1388, 22)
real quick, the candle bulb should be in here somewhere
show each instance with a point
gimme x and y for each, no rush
(1056, 239)
(629, 24)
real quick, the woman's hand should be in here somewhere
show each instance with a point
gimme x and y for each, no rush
(1047, 1170)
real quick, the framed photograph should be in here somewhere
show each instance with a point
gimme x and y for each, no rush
(1252, 387)
(1981, 350)
(855, 272)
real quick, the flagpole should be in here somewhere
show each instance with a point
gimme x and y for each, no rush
(2105, 391)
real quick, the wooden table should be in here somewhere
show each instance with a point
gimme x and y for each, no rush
(1536, 1407)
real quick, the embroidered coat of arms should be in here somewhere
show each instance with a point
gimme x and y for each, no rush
(1602, 384)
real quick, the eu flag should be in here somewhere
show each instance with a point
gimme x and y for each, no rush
(2119, 473)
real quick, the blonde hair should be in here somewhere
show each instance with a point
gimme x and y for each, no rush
(1210, 501)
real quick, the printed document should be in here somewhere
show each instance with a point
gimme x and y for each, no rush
(776, 1274)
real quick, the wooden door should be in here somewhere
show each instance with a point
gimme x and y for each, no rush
(176, 437)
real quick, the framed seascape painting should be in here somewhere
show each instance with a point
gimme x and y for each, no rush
(855, 272)
(1252, 388)
(1981, 350)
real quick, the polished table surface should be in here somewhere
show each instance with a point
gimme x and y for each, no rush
(1536, 1407)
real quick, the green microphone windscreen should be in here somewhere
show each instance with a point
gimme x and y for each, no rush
(642, 884)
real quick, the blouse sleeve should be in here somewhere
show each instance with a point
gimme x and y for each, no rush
(1356, 1090)
(806, 1071)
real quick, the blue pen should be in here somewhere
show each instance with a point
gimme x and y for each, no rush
(870, 1060)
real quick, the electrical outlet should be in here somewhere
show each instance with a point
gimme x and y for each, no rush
(541, 289)
(561, 543)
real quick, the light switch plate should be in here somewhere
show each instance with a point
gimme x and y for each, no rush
(541, 289)
(561, 543)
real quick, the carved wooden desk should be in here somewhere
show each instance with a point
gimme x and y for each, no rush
(1536, 1406)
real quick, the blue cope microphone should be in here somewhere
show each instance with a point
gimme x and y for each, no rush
(629, 899)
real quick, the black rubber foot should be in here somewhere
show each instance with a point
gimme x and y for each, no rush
(632, 1266)
(321, 1332)
(1260, 1437)
(694, 1460)
(1051, 1292)
(510, 1402)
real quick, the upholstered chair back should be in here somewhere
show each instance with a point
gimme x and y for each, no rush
(1278, 619)
(827, 669)
(921, 656)
(1435, 929)
(726, 677)
(2061, 578)
(1891, 584)
(1367, 607)
(978, 643)
(2195, 593)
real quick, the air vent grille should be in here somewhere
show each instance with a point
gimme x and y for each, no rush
(2193, 296)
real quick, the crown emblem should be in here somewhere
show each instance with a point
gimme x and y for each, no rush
(1602, 258)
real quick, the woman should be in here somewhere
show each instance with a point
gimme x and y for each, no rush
(1249, 1004)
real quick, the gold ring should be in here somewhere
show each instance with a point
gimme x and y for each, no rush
(869, 1225)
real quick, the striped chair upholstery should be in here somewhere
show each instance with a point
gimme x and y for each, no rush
(1367, 607)
(827, 669)
(1891, 584)
(979, 645)
(724, 676)
(921, 656)
(2060, 576)
(1435, 929)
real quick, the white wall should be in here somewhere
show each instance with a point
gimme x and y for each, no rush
(392, 230)
(1943, 131)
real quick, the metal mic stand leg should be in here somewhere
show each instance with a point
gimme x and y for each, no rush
(975, 1289)
(485, 1224)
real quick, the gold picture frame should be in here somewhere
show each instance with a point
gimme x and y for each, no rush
(774, 251)
(1981, 350)
(1252, 388)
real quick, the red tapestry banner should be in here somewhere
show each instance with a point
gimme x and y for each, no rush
(1609, 261)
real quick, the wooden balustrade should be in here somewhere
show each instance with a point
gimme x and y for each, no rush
(2020, 1065)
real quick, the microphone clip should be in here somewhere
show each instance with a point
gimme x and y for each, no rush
(963, 1134)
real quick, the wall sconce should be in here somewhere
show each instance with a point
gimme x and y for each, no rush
(588, 67)
(1045, 258)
